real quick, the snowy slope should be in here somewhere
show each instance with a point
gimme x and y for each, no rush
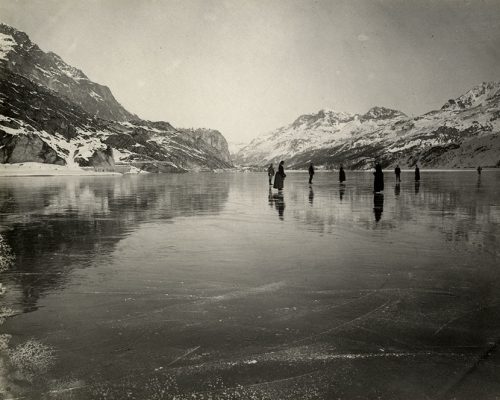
(50, 112)
(465, 132)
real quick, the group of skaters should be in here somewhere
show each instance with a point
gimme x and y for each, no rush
(378, 184)
(277, 200)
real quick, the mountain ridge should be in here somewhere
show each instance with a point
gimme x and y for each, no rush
(464, 132)
(51, 112)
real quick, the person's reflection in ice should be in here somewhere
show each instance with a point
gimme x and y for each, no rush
(279, 202)
(271, 198)
(397, 189)
(478, 185)
(378, 205)
(311, 195)
(417, 187)
(341, 191)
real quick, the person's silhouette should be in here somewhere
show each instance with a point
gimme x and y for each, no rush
(341, 174)
(311, 173)
(397, 171)
(280, 176)
(378, 182)
(270, 173)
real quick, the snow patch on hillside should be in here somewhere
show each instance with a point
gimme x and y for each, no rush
(7, 44)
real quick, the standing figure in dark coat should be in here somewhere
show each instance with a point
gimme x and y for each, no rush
(397, 171)
(280, 176)
(270, 173)
(479, 169)
(311, 173)
(417, 174)
(341, 174)
(378, 183)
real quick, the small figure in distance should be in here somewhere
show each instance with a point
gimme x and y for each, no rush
(378, 183)
(479, 169)
(280, 176)
(417, 174)
(397, 171)
(341, 174)
(270, 173)
(311, 173)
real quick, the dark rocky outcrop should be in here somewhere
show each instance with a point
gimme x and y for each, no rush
(27, 148)
(213, 138)
(102, 159)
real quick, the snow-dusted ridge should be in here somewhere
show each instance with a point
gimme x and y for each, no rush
(464, 133)
(50, 112)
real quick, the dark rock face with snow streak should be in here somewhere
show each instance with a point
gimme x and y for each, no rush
(51, 112)
(213, 138)
(465, 132)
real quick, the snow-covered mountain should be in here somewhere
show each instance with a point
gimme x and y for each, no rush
(51, 112)
(463, 133)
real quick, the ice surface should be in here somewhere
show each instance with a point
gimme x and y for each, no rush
(212, 286)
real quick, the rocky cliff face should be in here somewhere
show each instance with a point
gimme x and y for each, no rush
(51, 112)
(465, 132)
(213, 138)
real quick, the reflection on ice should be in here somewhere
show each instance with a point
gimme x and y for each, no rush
(378, 205)
(208, 285)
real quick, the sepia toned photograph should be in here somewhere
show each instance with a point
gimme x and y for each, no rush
(249, 199)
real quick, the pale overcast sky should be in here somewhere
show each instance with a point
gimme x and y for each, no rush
(249, 66)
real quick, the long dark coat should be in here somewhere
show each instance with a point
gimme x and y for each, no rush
(279, 178)
(311, 170)
(341, 175)
(417, 174)
(378, 183)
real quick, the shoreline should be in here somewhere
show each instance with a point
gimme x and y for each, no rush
(41, 169)
(30, 169)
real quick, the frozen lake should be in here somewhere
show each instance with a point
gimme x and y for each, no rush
(208, 286)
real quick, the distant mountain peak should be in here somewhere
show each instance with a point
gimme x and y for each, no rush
(378, 112)
(323, 116)
(477, 96)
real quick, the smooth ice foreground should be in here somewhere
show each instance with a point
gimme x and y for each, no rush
(208, 286)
